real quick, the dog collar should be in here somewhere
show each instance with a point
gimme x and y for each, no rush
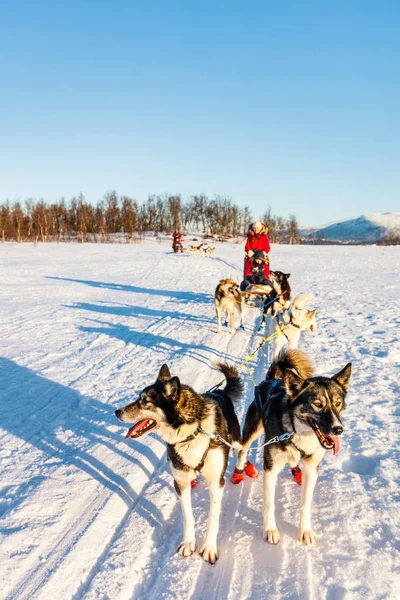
(192, 436)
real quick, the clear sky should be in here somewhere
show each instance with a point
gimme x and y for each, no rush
(289, 103)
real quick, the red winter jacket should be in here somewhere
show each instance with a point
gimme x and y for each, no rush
(256, 242)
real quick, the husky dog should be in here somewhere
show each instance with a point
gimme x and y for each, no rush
(278, 301)
(309, 410)
(190, 424)
(227, 297)
(196, 249)
(293, 323)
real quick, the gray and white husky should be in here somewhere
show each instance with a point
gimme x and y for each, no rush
(188, 423)
(292, 323)
(309, 410)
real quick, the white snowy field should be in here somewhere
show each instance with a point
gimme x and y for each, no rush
(86, 514)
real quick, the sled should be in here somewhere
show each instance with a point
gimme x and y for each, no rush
(255, 295)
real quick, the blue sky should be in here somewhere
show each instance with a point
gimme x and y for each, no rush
(292, 104)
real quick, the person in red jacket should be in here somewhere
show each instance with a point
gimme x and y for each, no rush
(177, 239)
(257, 241)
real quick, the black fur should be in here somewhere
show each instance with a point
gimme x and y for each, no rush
(274, 302)
(291, 400)
(183, 419)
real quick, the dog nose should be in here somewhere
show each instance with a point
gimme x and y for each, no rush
(118, 412)
(338, 430)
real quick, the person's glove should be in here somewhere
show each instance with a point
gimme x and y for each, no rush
(250, 253)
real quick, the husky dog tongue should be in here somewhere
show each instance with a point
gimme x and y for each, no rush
(329, 442)
(140, 428)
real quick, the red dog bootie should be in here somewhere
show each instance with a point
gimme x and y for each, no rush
(250, 470)
(237, 476)
(297, 474)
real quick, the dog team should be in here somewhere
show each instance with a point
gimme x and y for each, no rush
(299, 413)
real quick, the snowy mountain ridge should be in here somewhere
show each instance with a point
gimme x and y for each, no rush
(365, 228)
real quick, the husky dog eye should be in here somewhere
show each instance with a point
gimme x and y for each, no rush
(318, 404)
(145, 399)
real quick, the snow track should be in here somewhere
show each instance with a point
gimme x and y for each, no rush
(86, 514)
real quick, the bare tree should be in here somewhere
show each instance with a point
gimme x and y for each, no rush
(293, 230)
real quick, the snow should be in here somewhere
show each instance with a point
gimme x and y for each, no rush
(86, 514)
(390, 221)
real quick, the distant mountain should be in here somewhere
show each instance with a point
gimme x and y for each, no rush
(366, 228)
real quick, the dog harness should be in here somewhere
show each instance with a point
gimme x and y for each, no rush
(267, 386)
(291, 322)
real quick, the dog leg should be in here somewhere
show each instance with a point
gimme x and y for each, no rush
(253, 429)
(271, 533)
(309, 479)
(188, 545)
(218, 311)
(280, 341)
(213, 473)
(240, 303)
(232, 315)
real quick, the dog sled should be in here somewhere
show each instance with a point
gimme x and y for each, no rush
(273, 298)
(178, 247)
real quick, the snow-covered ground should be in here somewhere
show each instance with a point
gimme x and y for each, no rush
(86, 514)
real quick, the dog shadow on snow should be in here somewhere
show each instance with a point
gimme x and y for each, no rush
(184, 297)
(158, 343)
(126, 310)
(66, 428)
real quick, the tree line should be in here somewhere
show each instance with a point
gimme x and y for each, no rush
(77, 219)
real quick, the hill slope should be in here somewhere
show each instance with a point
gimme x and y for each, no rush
(366, 228)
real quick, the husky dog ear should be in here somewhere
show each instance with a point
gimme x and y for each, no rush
(172, 389)
(343, 377)
(293, 384)
(287, 275)
(164, 374)
(311, 313)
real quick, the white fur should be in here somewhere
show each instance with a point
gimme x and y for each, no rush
(229, 304)
(297, 315)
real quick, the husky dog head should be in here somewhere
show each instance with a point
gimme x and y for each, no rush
(156, 408)
(318, 402)
(229, 288)
(280, 277)
(305, 319)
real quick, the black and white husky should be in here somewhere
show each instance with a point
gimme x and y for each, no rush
(193, 426)
(308, 410)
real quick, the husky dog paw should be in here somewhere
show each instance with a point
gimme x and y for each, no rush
(307, 537)
(209, 553)
(233, 332)
(187, 548)
(272, 536)
(218, 331)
